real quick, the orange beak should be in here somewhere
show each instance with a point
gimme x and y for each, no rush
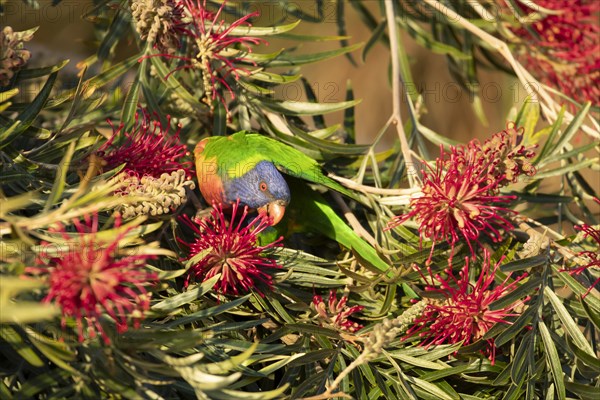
(275, 210)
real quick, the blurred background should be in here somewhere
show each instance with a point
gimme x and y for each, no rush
(64, 33)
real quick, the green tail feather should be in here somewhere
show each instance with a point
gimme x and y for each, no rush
(308, 211)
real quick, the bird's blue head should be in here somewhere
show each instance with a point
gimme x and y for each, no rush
(262, 188)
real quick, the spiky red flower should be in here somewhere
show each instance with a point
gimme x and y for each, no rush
(335, 313)
(460, 195)
(147, 150)
(457, 201)
(464, 314)
(592, 256)
(215, 48)
(91, 278)
(235, 252)
(562, 48)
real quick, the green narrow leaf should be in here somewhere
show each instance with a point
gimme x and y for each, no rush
(219, 119)
(305, 108)
(151, 98)
(349, 115)
(90, 14)
(569, 325)
(12, 337)
(4, 96)
(542, 198)
(5, 393)
(436, 138)
(274, 78)
(172, 303)
(232, 363)
(340, 14)
(418, 362)
(116, 31)
(588, 359)
(572, 153)
(255, 89)
(528, 117)
(261, 58)
(41, 382)
(571, 129)
(525, 263)
(130, 104)
(553, 360)
(575, 286)
(33, 73)
(313, 330)
(246, 30)
(55, 351)
(24, 312)
(332, 147)
(514, 392)
(593, 314)
(208, 312)
(587, 392)
(290, 60)
(308, 383)
(376, 36)
(548, 145)
(426, 39)
(28, 115)
(510, 332)
(240, 326)
(97, 81)
(281, 310)
(172, 82)
(364, 14)
(518, 371)
(227, 394)
(520, 292)
(430, 388)
(298, 37)
(313, 356)
(318, 119)
(8, 205)
(442, 373)
(566, 169)
(61, 177)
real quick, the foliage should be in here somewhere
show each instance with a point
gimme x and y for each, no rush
(349, 304)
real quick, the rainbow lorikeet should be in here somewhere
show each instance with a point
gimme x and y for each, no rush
(246, 166)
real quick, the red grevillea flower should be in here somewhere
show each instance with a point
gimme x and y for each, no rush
(460, 195)
(335, 313)
(235, 252)
(91, 279)
(457, 201)
(562, 49)
(147, 150)
(215, 48)
(592, 256)
(464, 314)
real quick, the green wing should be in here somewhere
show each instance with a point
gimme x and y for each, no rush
(245, 149)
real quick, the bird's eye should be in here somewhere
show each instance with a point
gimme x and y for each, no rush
(263, 186)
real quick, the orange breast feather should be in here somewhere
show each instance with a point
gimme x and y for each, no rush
(209, 179)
